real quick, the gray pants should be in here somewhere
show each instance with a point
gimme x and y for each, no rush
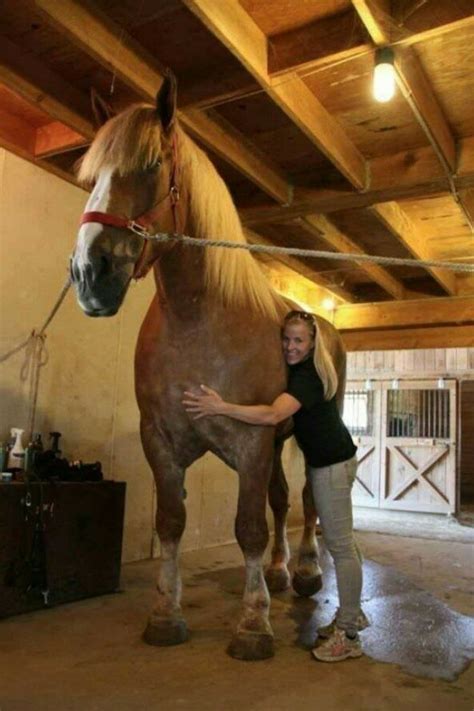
(331, 488)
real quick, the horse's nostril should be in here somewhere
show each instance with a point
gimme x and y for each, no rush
(104, 267)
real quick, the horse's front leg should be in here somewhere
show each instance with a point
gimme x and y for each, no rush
(253, 638)
(307, 578)
(166, 624)
(277, 575)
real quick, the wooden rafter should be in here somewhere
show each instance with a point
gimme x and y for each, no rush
(375, 16)
(240, 34)
(408, 174)
(467, 199)
(229, 144)
(430, 337)
(324, 41)
(411, 79)
(111, 46)
(37, 84)
(55, 138)
(413, 313)
(102, 39)
(300, 267)
(326, 230)
(332, 39)
(400, 225)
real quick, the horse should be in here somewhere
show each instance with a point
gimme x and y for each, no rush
(214, 319)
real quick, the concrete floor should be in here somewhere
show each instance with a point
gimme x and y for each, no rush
(88, 655)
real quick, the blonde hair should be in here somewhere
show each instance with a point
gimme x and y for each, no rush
(131, 141)
(324, 365)
(323, 361)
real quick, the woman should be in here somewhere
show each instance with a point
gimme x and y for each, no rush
(330, 465)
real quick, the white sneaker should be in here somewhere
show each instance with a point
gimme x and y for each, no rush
(338, 647)
(326, 631)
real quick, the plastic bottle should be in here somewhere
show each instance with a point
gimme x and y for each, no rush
(16, 455)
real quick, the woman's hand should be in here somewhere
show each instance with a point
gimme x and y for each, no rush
(209, 402)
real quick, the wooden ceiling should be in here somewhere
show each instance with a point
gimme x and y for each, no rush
(279, 94)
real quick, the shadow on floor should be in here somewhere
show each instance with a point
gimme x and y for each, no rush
(409, 626)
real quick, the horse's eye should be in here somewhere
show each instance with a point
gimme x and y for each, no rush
(156, 165)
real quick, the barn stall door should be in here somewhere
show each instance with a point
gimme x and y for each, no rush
(406, 444)
(418, 452)
(361, 415)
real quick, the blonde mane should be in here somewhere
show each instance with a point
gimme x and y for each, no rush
(131, 142)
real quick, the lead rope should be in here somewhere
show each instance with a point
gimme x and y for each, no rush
(312, 253)
(36, 357)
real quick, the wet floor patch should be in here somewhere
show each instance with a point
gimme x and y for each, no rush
(409, 626)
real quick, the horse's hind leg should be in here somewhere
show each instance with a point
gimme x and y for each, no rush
(277, 575)
(166, 625)
(307, 579)
(253, 638)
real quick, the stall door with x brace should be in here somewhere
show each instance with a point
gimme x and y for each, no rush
(405, 431)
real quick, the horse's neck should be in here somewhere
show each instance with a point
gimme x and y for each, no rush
(180, 277)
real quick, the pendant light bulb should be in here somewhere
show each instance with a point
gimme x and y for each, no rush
(384, 75)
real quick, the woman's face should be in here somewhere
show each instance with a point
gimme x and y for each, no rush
(297, 342)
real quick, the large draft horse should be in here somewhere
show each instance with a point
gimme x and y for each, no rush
(214, 320)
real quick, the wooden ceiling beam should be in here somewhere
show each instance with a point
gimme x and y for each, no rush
(397, 221)
(411, 79)
(54, 138)
(321, 227)
(322, 42)
(97, 35)
(397, 314)
(427, 20)
(226, 142)
(400, 339)
(113, 48)
(240, 34)
(338, 38)
(26, 76)
(417, 90)
(300, 267)
(408, 174)
(376, 18)
(467, 200)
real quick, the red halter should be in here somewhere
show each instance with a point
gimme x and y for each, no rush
(144, 223)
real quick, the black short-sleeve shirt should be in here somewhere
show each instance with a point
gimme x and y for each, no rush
(319, 429)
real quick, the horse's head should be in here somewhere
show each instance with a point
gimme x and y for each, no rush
(132, 164)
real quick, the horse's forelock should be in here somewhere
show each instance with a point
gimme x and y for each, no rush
(130, 142)
(127, 143)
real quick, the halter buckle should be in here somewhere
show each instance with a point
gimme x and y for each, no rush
(174, 194)
(137, 228)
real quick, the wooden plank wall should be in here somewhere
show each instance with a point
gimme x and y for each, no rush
(455, 363)
(449, 362)
(466, 459)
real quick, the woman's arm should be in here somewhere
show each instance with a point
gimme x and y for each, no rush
(211, 403)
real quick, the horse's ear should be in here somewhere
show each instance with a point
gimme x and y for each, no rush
(100, 108)
(166, 100)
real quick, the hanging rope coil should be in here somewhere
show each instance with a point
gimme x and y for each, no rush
(36, 357)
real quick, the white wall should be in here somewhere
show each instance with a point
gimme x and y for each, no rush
(86, 388)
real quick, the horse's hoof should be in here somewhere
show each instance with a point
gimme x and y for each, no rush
(306, 586)
(166, 633)
(277, 579)
(251, 647)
